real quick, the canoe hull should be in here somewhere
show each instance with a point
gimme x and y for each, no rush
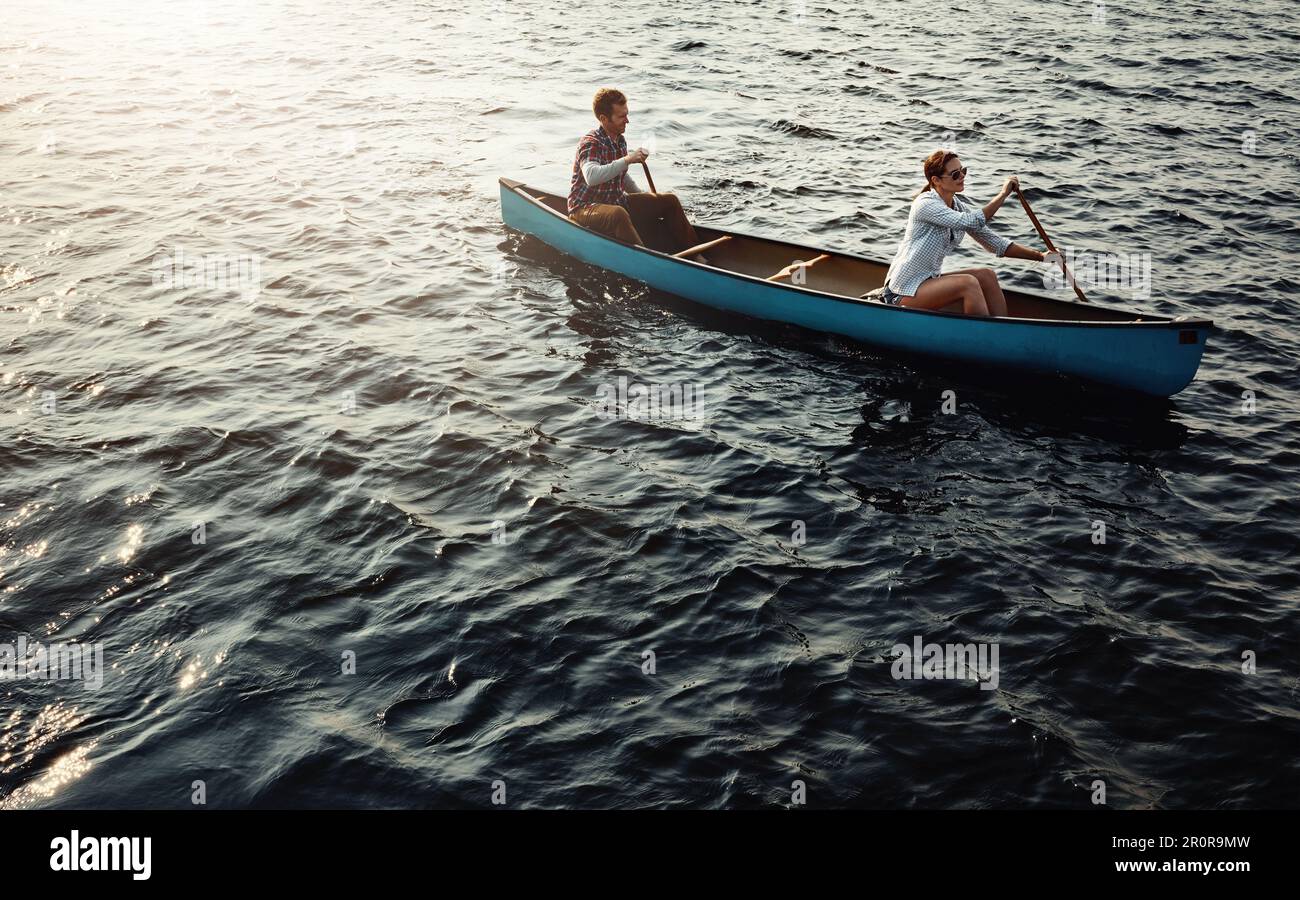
(1158, 358)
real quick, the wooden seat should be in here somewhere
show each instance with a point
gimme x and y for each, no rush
(700, 248)
(797, 264)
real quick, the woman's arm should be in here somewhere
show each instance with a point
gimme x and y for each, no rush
(991, 241)
(931, 209)
(1017, 251)
(992, 207)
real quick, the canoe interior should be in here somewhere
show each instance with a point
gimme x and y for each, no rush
(842, 274)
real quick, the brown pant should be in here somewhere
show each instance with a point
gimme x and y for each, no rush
(615, 221)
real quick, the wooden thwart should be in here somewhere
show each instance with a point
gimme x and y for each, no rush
(700, 248)
(797, 264)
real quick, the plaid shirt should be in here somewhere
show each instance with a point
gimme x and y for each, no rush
(598, 147)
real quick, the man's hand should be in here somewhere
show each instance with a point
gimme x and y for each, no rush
(639, 155)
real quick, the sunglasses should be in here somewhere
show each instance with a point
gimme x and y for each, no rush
(959, 174)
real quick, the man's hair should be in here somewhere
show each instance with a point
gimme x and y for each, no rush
(605, 100)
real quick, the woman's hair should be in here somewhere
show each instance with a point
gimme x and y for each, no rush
(933, 167)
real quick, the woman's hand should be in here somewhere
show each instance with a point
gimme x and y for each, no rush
(1010, 186)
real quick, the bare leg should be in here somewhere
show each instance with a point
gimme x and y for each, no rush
(942, 290)
(988, 280)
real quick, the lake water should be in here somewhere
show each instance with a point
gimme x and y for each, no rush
(349, 532)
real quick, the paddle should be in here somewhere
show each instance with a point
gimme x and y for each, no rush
(1020, 192)
(648, 179)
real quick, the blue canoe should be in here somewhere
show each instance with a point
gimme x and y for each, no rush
(1118, 348)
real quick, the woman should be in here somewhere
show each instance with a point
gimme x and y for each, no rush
(938, 222)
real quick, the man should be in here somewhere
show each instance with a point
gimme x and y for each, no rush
(603, 197)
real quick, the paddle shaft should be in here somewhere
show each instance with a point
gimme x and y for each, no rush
(648, 179)
(1051, 248)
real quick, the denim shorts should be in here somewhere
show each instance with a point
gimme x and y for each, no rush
(890, 297)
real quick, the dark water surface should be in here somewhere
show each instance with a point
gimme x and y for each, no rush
(410, 373)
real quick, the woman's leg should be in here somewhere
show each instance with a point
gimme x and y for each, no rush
(988, 280)
(941, 290)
